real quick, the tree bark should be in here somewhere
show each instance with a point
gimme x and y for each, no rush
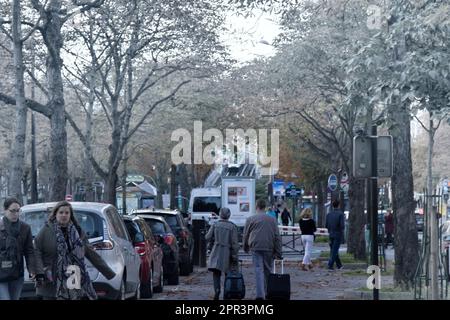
(54, 42)
(173, 186)
(18, 147)
(88, 170)
(356, 242)
(405, 234)
(110, 188)
(320, 203)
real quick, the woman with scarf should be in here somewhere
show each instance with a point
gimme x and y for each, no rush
(61, 247)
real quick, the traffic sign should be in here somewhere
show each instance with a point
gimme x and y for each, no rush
(332, 182)
(362, 156)
(68, 197)
(293, 191)
(344, 182)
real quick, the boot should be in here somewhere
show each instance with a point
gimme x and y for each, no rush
(304, 267)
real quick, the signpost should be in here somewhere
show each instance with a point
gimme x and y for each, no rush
(332, 182)
(372, 158)
(344, 183)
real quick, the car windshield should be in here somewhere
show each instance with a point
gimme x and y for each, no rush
(156, 226)
(206, 204)
(172, 221)
(90, 222)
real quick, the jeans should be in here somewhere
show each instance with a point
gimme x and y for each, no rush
(262, 261)
(11, 290)
(335, 243)
(308, 241)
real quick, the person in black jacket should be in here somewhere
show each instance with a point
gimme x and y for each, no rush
(15, 240)
(308, 228)
(336, 226)
(285, 217)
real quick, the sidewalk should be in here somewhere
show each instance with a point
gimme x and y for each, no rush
(319, 284)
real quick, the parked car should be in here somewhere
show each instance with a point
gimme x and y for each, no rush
(151, 271)
(419, 221)
(184, 236)
(164, 235)
(108, 235)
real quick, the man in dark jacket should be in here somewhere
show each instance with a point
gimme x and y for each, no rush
(262, 238)
(336, 225)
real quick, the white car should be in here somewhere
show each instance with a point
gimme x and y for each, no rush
(108, 235)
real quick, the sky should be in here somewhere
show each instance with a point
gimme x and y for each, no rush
(245, 36)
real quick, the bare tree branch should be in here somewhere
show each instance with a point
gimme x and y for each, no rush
(150, 110)
(102, 173)
(33, 105)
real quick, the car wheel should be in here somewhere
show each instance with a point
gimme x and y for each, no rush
(185, 269)
(147, 288)
(173, 279)
(160, 288)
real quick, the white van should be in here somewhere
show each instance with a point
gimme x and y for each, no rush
(205, 204)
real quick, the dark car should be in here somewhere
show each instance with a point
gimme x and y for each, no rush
(164, 235)
(151, 254)
(419, 222)
(184, 236)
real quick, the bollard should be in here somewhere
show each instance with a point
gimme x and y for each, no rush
(202, 251)
(197, 227)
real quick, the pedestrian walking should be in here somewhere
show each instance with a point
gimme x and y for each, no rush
(335, 223)
(262, 238)
(308, 228)
(16, 243)
(272, 213)
(278, 211)
(61, 244)
(285, 217)
(389, 227)
(223, 237)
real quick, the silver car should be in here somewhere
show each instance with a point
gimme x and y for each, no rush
(108, 235)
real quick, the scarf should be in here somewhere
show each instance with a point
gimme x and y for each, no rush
(71, 256)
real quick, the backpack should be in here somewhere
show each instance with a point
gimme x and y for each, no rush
(9, 255)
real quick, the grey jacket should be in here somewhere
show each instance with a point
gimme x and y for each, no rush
(224, 237)
(25, 246)
(46, 254)
(335, 223)
(261, 234)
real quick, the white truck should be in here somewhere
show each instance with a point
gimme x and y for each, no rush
(236, 193)
(205, 204)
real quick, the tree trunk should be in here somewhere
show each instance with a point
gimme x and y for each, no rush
(320, 204)
(18, 148)
(356, 242)
(185, 187)
(405, 235)
(88, 170)
(110, 188)
(54, 41)
(173, 186)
